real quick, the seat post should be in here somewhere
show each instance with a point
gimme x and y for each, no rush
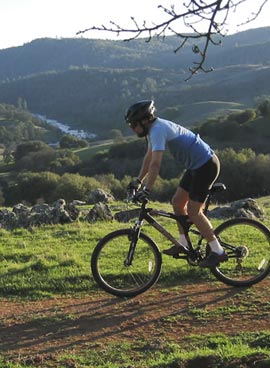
(207, 202)
(217, 187)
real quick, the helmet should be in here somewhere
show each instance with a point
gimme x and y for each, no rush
(140, 110)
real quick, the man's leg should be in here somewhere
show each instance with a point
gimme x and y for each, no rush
(182, 205)
(179, 203)
(196, 215)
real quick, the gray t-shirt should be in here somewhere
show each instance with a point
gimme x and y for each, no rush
(185, 146)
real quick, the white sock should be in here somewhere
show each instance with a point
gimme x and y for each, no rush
(183, 240)
(216, 247)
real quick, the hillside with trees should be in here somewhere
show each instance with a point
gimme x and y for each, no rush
(240, 139)
(18, 125)
(90, 83)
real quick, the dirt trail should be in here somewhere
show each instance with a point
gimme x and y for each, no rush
(50, 326)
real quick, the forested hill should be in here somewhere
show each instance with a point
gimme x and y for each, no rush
(43, 55)
(89, 83)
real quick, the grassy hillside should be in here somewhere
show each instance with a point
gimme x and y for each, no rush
(90, 83)
(18, 125)
(53, 313)
(195, 113)
(89, 152)
(50, 260)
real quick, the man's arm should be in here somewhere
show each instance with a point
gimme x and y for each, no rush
(153, 168)
(145, 165)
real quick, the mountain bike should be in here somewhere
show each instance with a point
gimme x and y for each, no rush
(128, 262)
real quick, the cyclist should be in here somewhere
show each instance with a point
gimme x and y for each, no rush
(202, 169)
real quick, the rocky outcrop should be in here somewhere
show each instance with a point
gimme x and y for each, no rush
(99, 195)
(242, 208)
(39, 214)
(58, 213)
(61, 212)
(100, 211)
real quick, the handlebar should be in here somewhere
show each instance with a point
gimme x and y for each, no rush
(132, 197)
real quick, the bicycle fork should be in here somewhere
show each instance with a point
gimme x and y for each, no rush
(134, 236)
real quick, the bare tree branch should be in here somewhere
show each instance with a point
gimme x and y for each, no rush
(195, 16)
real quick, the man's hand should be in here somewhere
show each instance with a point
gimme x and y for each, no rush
(134, 185)
(142, 196)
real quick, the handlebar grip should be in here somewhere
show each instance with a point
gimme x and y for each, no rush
(131, 193)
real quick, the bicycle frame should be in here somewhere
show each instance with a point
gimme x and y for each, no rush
(147, 214)
(149, 218)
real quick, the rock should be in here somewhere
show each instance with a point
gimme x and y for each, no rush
(39, 214)
(125, 216)
(8, 219)
(100, 211)
(73, 210)
(59, 214)
(23, 215)
(41, 208)
(99, 196)
(241, 208)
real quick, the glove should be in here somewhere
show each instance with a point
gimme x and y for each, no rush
(142, 196)
(134, 185)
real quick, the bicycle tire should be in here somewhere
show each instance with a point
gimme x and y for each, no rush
(109, 269)
(251, 265)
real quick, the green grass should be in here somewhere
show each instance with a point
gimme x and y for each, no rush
(55, 259)
(48, 261)
(89, 152)
(97, 147)
(198, 111)
(209, 351)
(167, 354)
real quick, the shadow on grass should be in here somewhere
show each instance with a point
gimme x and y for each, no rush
(79, 323)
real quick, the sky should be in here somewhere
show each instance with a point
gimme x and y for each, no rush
(22, 21)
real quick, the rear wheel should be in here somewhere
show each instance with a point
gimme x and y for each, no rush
(110, 269)
(247, 243)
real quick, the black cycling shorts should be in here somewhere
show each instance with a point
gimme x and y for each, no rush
(198, 182)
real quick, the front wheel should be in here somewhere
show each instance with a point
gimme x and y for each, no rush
(110, 268)
(247, 243)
